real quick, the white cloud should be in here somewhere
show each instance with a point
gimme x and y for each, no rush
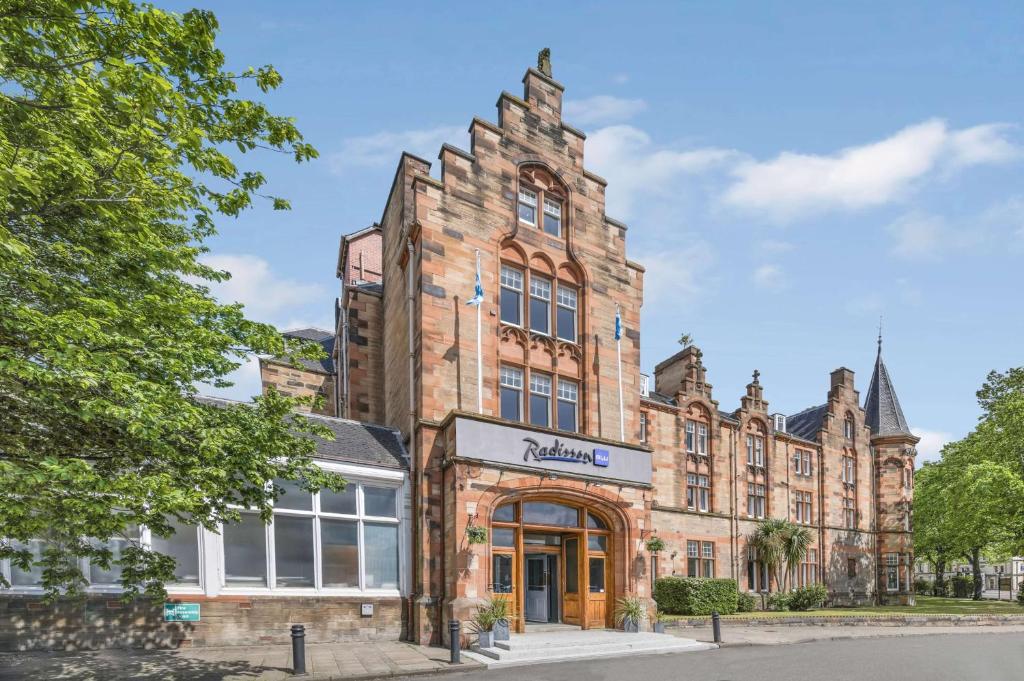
(795, 185)
(919, 237)
(769, 277)
(931, 443)
(263, 293)
(634, 166)
(675, 276)
(601, 110)
(383, 148)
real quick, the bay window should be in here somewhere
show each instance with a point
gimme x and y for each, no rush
(328, 540)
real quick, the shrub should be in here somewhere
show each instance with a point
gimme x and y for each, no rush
(923, 586)
(808, 597)
(778, 601)
(1020, 597)
(963, 586)
(696, 595)
(746, 602)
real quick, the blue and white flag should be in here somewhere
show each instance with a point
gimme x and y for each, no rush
(618, 323)
(478, 290)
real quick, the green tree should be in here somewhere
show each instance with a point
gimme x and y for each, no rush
(933, 530)
(781, 547)
(115, 119)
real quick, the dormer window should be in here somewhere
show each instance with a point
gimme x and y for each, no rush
(780, 423)
(552, 216)
(527, 206)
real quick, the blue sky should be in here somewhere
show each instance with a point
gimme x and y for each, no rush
(789, 171)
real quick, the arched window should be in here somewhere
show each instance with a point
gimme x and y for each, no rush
(541, 201)
(848, 426)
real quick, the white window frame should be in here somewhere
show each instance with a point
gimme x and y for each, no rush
(702, 439)
(354, 475)
(691, 436)
(643, 427)
(537, 292)
(527, 197)
(515, 278)
(537, 379)
(567, 302)
(504, 371)
(552, 207)
(892, 567)
(568, 392)
(703, 493)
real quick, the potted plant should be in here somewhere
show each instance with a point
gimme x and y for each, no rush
(483, 624)
(476, 534)
(659, 622)
(499, 608)
(629, 612)
(655, 544)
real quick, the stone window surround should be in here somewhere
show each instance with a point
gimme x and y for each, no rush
(556, 380)
(211, 553)
(541, 187)
(527, 292)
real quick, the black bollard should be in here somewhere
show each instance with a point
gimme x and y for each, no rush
(298, 649)
(453, 637)
(716, 626)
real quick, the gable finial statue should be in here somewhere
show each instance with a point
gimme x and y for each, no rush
(544, 61)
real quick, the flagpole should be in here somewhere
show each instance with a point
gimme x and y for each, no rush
(618, 353)
(479, 352)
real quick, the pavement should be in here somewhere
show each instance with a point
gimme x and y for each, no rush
(986, 654)
(324, 662)
(764, 653)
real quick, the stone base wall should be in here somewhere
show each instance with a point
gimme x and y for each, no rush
(27, 623)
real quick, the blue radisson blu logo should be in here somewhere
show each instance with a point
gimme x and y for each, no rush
(559, 452)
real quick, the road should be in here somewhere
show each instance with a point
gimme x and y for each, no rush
(977, 657)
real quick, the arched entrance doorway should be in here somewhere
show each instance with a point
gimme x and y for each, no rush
(552, 560)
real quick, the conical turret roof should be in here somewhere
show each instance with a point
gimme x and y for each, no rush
(882, 408)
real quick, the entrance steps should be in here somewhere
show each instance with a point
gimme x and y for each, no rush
(559, 646)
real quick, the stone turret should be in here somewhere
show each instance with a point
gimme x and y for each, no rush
(892, 444)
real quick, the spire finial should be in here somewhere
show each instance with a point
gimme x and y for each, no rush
(757, 376)
(879, 334)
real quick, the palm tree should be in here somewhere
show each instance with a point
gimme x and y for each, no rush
(781, 547)
(796, 540)
(768, 541)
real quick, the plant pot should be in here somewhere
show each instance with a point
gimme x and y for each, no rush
(501, 631)
(630, 626)
(659, 627)
(485, 639)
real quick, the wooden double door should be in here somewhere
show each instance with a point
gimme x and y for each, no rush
(552, 575)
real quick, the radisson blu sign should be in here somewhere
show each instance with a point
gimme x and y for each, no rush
(523, 448)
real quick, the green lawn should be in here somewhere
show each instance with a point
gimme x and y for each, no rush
(926, 605)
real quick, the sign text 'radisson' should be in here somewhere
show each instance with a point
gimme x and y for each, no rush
(559, 452)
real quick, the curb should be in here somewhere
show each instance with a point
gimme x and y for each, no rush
(464, 666)
(856, 621)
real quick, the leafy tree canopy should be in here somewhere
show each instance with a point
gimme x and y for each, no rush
(114, 123)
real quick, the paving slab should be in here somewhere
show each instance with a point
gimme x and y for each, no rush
(348, 661)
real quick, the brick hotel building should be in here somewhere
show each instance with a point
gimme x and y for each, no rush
(557, 495)
(565, 535)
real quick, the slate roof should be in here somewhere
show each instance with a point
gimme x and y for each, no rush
(354, 441)
(358, 442)
(658, 397)
(326, 341)
(882, 408)
(806, 424)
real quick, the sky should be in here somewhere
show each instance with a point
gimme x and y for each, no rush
(790, 171)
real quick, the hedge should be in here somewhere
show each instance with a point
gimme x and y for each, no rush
(696, 595)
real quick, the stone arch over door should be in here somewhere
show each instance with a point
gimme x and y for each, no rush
(603, 553)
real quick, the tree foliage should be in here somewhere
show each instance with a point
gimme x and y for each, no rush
(971, 502)
(115, 122)
(781, 546)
